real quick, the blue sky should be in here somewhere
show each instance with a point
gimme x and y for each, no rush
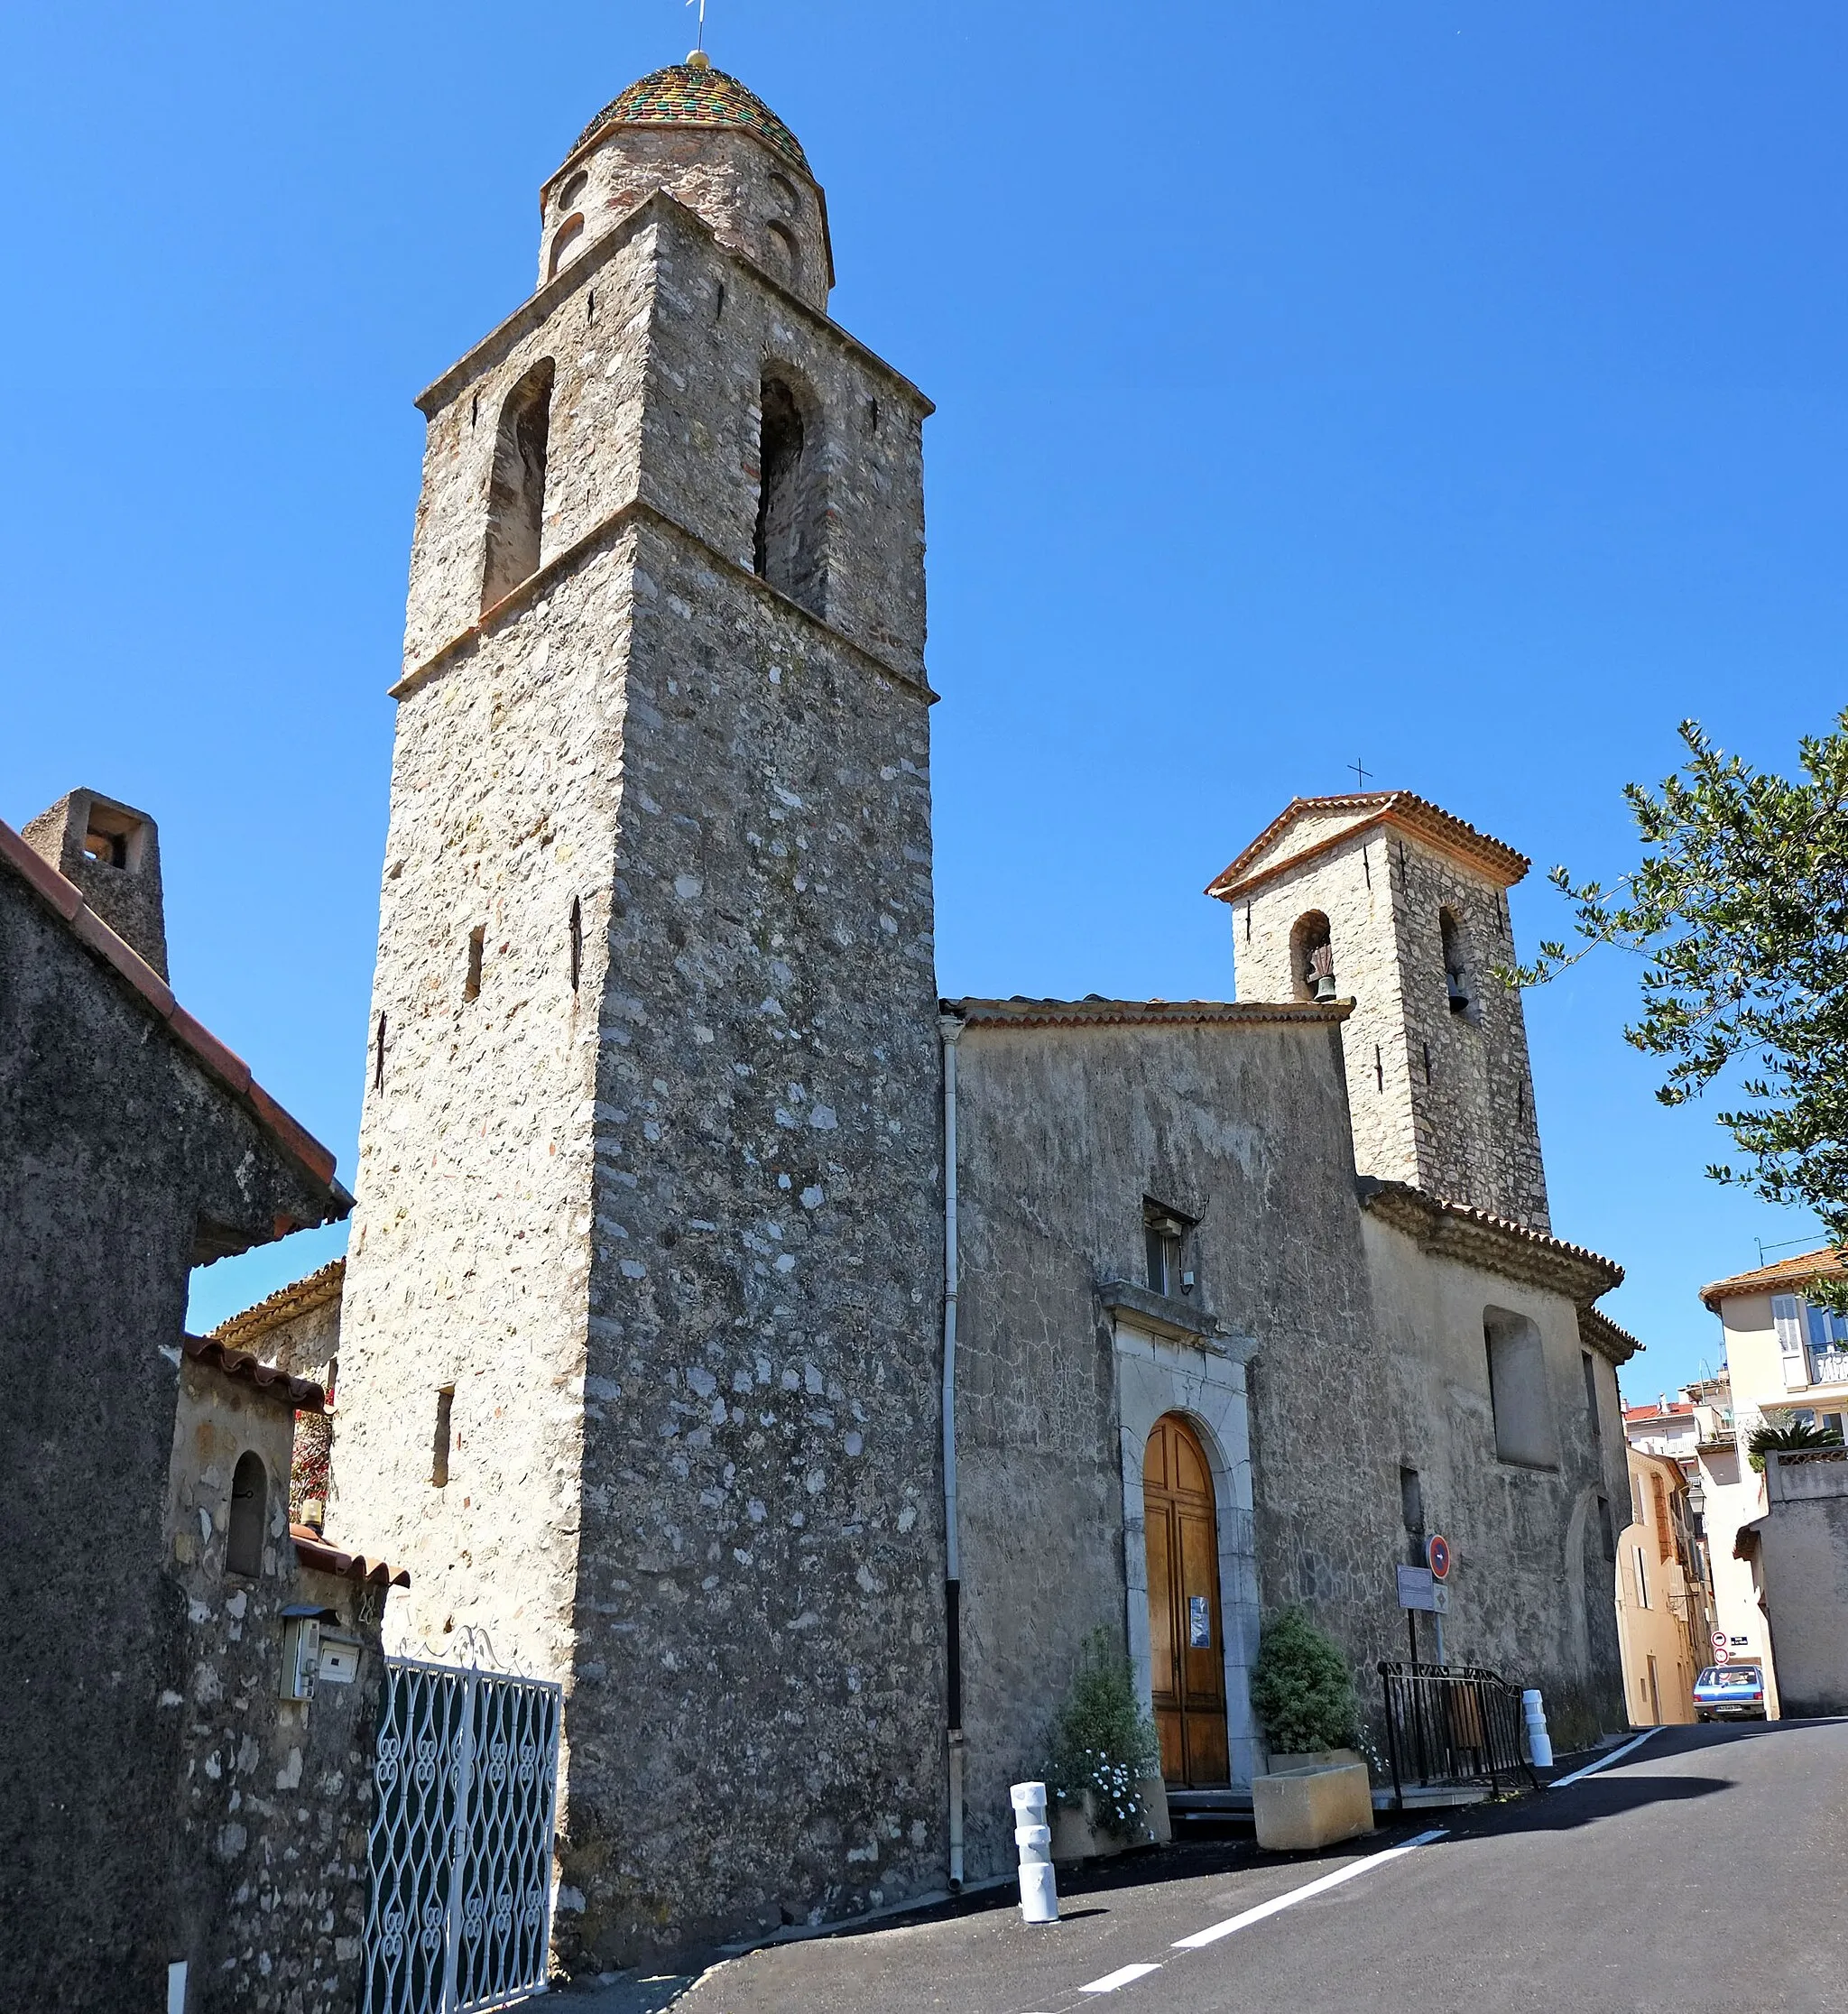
(1455, 388)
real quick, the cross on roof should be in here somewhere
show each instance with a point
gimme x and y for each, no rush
(1361, 775)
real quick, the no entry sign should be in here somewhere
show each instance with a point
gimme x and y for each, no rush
(1438, 1555)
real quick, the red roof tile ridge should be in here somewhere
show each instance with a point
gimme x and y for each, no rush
(1793, 1273)
(1403, 806)
(301, 1394)
(326, 1558)
(65, 897)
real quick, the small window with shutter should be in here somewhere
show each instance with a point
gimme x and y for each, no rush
(1787, 1313)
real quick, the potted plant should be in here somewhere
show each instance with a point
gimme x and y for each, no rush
(1103, 1768)
(1318, 1789)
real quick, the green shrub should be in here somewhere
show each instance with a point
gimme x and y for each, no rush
(1796, 1437)
(1102, 1741)
(1302, 1690)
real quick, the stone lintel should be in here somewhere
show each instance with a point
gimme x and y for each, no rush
(1179, 1321)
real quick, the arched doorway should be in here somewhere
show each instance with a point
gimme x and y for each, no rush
(1187, 1657)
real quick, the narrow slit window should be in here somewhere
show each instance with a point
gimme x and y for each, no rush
(471, 983)
(378, 1057)
(576, 941)
(439, 1453)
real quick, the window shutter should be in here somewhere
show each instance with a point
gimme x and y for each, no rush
(1786, 1312)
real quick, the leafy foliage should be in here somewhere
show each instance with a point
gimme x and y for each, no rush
(1302, 1689)
(1796, 1436)
(1741, 910)
(1102, 1741)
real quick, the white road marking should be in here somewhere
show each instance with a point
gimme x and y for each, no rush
(1604, 1762)
(1121, 1977)
(1213, 1934)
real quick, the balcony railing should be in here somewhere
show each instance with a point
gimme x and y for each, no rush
(1828, 1367)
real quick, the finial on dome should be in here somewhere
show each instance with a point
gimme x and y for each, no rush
(697, 59)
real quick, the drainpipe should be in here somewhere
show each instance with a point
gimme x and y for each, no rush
(950, 1026)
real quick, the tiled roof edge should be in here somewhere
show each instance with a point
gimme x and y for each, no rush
(299, 1394)
(313, 1550)
(1796, 1272)
(231, 1070)
(1424, 1215)
(1417, 815)
(1144, 1013)
(300, 1296)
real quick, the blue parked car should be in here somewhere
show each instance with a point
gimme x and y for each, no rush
(1730, 1692)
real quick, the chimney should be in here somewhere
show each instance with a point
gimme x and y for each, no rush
(112, 854)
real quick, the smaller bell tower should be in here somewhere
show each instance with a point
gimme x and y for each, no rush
(1384, 899)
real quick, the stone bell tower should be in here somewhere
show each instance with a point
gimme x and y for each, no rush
(1383, 899)
(639, 1367)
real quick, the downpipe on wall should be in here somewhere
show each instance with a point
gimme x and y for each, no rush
(950, 1026)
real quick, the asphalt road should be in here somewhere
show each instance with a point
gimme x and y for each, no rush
(1704, 1871)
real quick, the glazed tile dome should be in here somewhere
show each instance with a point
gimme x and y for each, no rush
(686, 93)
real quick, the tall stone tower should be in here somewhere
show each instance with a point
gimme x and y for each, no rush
(639, 1369)
(1385, 898)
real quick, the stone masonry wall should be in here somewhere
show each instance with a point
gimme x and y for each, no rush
(732, 180)
(693, 1470)
(1441, 1099)
(275, 1796)
(1062, 1134)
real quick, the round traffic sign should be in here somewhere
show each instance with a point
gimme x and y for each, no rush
(1438, 1555)
(1719, 1639)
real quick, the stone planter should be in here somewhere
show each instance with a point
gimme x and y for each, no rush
(1317, 1803)
(1078, 1835)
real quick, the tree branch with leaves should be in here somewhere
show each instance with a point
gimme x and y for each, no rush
(1740, 912)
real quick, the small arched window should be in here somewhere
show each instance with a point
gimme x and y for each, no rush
(785, 254)
(788, 548)
(249, 1510)
(516, 490)
(565, 245)
(569, 191)
(1312, 958)
(1455, 962)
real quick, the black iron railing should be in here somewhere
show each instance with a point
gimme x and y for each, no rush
(1453, 1724)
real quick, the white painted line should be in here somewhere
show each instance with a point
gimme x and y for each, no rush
(1214, 1932)
(1123, 1977)
(1604, 1762)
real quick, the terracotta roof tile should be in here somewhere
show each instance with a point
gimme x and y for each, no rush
(300, 1296)
(1786, 1273)
(230, 1069)
(1416, 815)
(312, 1550)
(1094, 1011)
(299, 1394)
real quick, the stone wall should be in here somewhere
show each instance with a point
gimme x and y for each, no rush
(1531, 1589)
(672, 1235)
(1441, 1098)
(1804, 1560)
(1064, 1131)
(119, 1154)
(275, 1796)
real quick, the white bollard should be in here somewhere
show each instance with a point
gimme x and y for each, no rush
(1033, 1836)
(1539, 1744)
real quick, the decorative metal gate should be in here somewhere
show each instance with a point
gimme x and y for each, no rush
(467, 1779)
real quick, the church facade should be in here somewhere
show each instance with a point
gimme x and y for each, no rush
(795, 1365)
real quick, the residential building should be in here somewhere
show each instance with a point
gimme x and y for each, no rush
(133, 1146)
(1665, 1611)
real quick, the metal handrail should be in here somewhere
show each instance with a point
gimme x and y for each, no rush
(1453, 1724)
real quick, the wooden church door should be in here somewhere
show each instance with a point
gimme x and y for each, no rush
(1187, 1655)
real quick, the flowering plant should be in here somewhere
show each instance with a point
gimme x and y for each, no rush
(1103, 1743)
